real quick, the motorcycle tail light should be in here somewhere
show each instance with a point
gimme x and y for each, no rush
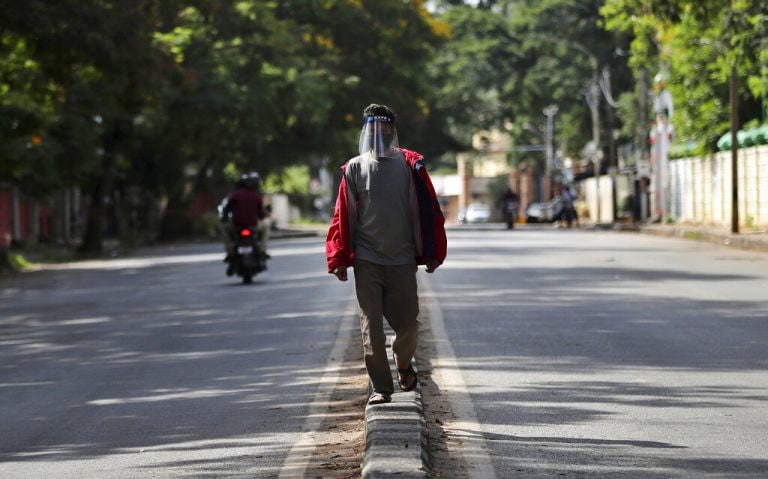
(245, 232)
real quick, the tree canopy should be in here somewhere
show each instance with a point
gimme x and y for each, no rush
(110, 95)
(694, 44)
(508, 60)
(139, 101)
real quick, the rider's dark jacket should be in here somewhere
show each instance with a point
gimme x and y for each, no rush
(245, 206)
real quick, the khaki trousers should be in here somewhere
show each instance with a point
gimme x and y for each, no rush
(386, 292)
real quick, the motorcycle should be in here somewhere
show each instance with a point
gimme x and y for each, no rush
(248, 260)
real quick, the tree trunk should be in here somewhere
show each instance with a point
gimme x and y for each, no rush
(176, 219)
(93, 239)
(613, 160)
(5, 260)
(201, 178)
(643, 122)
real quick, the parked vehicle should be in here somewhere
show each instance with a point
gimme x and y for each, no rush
(475, 213)
(248, 260)
(545, 212)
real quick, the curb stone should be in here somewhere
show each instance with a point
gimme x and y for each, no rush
(396, 438)
(745, 241)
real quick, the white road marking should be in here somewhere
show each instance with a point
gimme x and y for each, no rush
(446, 373)
(295, 464)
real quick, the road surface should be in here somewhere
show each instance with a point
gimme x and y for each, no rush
(584, 354)
(158, 365)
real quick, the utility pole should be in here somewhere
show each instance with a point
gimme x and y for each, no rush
(663, 106)
(734, 151)
(613, 166)
(593, 100)
(550, 113)
(643, 164)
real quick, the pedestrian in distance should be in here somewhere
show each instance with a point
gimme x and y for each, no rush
(386, 222)
(568, 214)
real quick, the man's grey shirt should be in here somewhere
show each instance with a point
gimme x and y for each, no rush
(383, 187)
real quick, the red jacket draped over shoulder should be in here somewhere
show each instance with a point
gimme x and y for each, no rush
(431, 241)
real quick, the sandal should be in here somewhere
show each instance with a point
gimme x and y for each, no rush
(406, 373)
(379, 398)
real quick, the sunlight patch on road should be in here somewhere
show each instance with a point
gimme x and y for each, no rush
(170, 396)
(486, 262)
(44, 346)
(318, 250)
(147, 262)
(77, 322)
(304, 314)
(191, 313)
(25, 384)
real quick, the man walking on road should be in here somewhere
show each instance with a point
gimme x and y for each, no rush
(387, 221)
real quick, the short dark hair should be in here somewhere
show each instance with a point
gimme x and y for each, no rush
(378, 110)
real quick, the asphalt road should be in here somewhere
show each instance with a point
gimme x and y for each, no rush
(584, 354)
(158, 365)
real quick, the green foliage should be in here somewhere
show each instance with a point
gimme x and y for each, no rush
(28, 103)
(161, 95)
(174, 98)
(18, 262)
(293, 180)
(508, 60)
(699, 42)
(472, 69)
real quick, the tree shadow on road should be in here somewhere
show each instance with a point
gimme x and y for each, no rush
(153, 368)
(585, 348)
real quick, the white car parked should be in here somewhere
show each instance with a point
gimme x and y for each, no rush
(475, 213)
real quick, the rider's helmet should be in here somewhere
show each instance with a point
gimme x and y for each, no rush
(253, 180)
(250, 180)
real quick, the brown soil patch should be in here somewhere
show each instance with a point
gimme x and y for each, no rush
(339, 455)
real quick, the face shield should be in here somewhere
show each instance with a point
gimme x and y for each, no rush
(378, 136)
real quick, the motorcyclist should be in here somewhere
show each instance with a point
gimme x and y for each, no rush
(509, 206)
(244, 208)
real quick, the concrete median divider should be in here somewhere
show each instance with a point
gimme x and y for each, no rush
(396, 438)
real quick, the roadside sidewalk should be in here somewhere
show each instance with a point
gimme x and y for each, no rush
(755, 241)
